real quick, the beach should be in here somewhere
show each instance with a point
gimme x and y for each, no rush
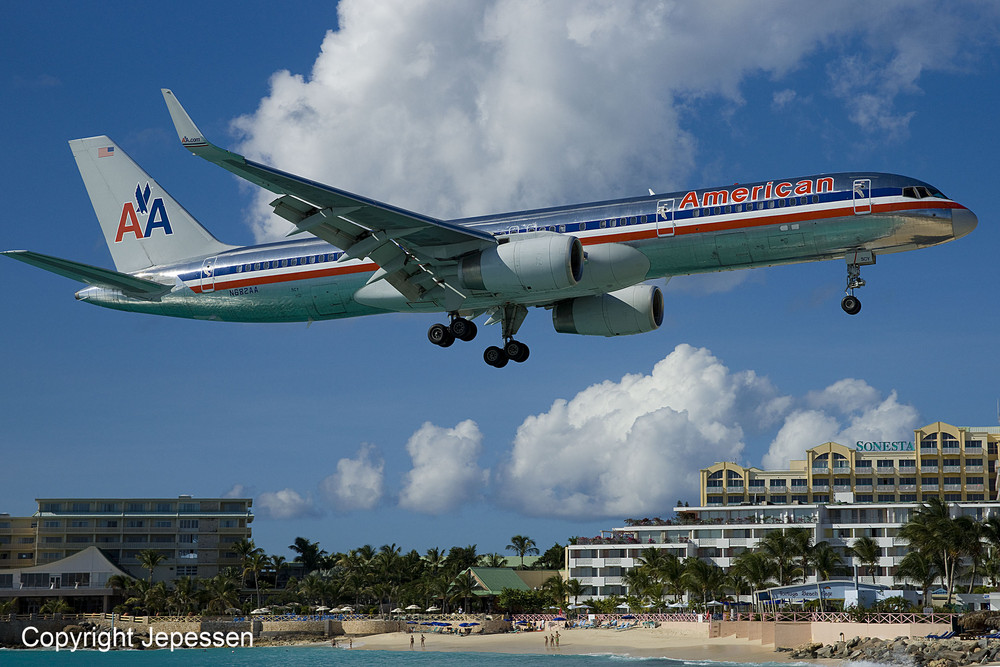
(638, 642)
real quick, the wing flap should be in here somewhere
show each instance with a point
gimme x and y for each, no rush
(139, 288)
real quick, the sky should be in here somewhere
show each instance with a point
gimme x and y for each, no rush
(360, 431)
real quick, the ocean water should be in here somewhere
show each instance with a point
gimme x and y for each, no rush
(317, 656)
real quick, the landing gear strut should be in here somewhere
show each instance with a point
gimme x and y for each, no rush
(855, 260)
(510, 316)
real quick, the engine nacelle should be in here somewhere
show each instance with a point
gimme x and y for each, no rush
(632, 310)
(539, 263)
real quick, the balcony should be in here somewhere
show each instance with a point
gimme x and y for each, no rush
(862, 487)
(929, 487)
(971, 469)
(778, 489)
(734, 489)
(931, 470)
(885, 470)
(907, 487)
(822, 470)
(974, 487)
(952, 487)
(885, 487)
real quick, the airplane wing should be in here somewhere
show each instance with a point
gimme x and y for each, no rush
(92, 275)
(410, 249)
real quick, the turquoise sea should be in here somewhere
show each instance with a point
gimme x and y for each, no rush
(310, 656)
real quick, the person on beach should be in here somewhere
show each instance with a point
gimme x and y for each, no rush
(421, 640)
(557, 638)
(546, 641)
(411, 642)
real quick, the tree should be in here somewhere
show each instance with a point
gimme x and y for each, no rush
(522, 546)
(868, 553)
(782, 550)
(825, 560)
(463, 588)
(555, 586)
(940, 537)
(756, 568)
(575, 589)
(149, 559)
(493, 560)
(918, 568)
(703, 577)
(553, 558)
(222, 592)
(254, 564)
(277, 562)
(309, 553)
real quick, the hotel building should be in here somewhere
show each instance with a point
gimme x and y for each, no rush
(838, 492)
(195, 535)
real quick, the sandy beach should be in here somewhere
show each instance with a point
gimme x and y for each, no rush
(638, 642)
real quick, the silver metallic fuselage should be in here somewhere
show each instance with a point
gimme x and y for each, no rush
(679, 233)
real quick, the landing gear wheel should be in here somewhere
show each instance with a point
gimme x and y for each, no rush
(463, 329)
(495, 357)
(516, 350)
(439, 334)
(851, 304)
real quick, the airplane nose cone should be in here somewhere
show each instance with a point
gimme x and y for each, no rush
(963, 221)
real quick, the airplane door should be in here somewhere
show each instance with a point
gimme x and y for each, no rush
(862, 196)
(208, 275)
(665, 217)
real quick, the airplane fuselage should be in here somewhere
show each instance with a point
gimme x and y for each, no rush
(740, 226)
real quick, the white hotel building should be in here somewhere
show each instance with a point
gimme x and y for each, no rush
(838, 492)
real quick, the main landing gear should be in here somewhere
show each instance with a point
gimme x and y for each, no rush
(509, 315)
(855, 260)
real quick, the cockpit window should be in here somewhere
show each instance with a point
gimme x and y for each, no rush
(922, 192)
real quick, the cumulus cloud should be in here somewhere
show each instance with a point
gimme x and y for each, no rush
(285, 504)
(357, 482)
(845, 412)
(456, 109)
(635, 445)
(445, 469)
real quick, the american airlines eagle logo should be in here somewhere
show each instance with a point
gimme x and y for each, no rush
(155, 214)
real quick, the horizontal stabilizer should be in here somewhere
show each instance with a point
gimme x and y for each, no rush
(93, 275)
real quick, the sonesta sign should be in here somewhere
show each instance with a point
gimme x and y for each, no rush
(900, 446)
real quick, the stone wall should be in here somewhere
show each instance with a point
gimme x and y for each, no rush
(791, 634)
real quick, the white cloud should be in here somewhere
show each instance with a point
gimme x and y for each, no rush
(445, 470)
(845, 412)
(459, 109)
(357, 483)
(285, 504)
(239, 491)
(635, 445)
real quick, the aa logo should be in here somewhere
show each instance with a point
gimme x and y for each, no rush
(155, 214)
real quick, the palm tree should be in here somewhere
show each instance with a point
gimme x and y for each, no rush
(703, 577)
(149, 559)
(555, 586)
(918, 568)
(184, 597)
(309, 553)
(777, 546)
(222, 593)
(940, 537)
(756, 569)
(574, 589)
(868, 552)
(464, 587)
(825, 560)
(56, 606)
(522, 545)
(255, 563)
(493, 560)
(277, 562)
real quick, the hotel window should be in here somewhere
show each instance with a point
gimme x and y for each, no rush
(25, 540)
(884, 463)
(6, 581)
(135, 538)
(952, 497)
(777, 482)
(886, 498)
(187, 570)
(80, 507)
(74, 579)
(864, 498)
(136, 507)
(190, 507)
(52, 539)
(51, 524)
(907, 497)
(713, 483)
(973, 462)
(800, 483)
(134, 523)
(821, 498)
(108, 507)
(929, 442)
(974, 480)
(163, 523)
(907, 463)
(229, 523)
(864, 463)
(189, 523)
(779, 499)
(25, 556)
(78, 539)
(842, 482)
(991, 448)
(928, 480)
(164, 507)
(732, 500)
(756, 483)
(51, 507)
(108, 523)
(161, 538)
(903, 481)
(79, 523)
(188, 539)
(952, 480)
(973, 497)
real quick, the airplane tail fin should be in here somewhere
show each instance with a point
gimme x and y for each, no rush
(143, 225)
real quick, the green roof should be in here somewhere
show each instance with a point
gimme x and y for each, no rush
(494, 579)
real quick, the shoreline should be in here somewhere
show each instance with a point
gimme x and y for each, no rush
(634, 643)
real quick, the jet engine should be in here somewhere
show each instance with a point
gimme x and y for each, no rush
(635, 309)
(539, 263)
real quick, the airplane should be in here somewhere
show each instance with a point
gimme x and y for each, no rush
(590, 264)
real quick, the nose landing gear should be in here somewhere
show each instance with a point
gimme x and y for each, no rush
(855, 260)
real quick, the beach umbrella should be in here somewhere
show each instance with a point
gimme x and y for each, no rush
(464, 625)
(677, 605)
(397, 610)
(433, 609)
(427, 623)
(233, 611)
(713, 603)
(413, 607)
(626, 616)
(473, 623)
(563, 618)
(323, 608)
(411, 622)
(262, 610)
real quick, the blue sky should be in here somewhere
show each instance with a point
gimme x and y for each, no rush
(359, 431)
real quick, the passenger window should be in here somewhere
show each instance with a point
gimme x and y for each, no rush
(562, 228)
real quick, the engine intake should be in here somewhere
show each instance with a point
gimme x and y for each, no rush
(628, 311)
(542, 262)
